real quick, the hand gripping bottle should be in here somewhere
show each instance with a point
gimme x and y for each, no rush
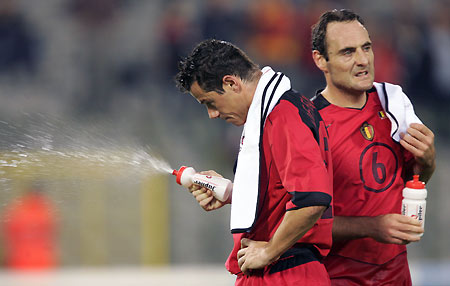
(414, 204)
(220, 187)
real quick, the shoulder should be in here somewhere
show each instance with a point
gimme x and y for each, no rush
(295, 109)
(283, 110)
(292, 102)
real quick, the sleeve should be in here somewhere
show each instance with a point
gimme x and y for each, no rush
(298, 159)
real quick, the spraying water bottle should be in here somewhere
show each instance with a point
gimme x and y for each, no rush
(414, 204)
(220, 187)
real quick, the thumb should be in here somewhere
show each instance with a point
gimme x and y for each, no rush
(245, 242)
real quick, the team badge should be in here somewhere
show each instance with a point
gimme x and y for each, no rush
(367, 131)
(382, 114)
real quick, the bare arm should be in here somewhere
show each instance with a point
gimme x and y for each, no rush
(419, 140)
(258, 254)
(389, 228)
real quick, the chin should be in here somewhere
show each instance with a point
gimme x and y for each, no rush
(365, 86)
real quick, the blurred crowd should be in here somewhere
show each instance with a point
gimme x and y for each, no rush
(411, 40)
(103, 60)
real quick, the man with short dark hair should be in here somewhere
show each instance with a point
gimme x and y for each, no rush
(281, 212)
(377, 143)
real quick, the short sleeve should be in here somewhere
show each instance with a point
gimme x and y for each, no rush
(298, 159)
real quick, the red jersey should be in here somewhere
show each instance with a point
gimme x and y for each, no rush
(368, 168)
(294, 173)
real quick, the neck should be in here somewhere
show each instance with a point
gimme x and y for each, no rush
(344, 98)
(252, 85)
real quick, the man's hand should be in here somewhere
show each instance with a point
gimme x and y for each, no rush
(205, 197)
(396, 229)
(258, 254)
(253, 255)
(419, 140)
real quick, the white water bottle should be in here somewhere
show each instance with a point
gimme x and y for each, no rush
(220, 187)
(413, 203)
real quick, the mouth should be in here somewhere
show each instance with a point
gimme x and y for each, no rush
(362, 74)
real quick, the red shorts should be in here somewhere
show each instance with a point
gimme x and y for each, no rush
(348, 272)
(312, 273)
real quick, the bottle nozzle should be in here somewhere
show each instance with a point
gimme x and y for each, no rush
(178, 174)
(415, 183)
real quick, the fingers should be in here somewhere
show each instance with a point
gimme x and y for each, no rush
(418, 136)
(194, 188)
(241, 260)
(398, 229)
(407, 229)
(411, 232)
(211, 173)
(245, 242)
(419, 140)
(202, 194)
(422, 128)
(408, 220)
(414, 145)
(401, 237)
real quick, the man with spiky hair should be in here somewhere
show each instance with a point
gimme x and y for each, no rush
(377, 143)
(281, 212)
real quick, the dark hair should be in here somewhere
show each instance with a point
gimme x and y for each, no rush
(209, 62)
(319, 30)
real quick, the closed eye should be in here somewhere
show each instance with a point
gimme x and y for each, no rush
(347, 51)
(209, 104)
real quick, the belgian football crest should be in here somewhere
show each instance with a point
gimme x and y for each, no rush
(367, 131)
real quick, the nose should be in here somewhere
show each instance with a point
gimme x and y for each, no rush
(212, 113)
(362, 58)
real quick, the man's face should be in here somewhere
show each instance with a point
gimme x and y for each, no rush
(350, 64)
(229, 105)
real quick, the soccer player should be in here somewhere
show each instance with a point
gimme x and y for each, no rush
(281, 217)
(369, 166)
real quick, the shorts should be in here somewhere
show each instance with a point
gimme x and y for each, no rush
(349, 272)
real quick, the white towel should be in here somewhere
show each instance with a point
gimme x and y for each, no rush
(246, 180)
(398, 107)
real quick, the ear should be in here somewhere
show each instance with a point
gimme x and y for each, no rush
(232, 83)
(320, 61)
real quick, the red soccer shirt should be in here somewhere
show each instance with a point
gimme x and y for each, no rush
(293, 174)
(368, 168)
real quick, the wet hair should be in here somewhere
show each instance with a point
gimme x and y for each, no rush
(209, 62)
(319, 30)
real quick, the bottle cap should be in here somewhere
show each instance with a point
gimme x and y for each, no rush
(415, 183)
(179, 173)
(415, 189)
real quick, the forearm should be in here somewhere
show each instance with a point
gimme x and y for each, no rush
(425, 172)
(388, 228)
(294, 225)
(346, 227)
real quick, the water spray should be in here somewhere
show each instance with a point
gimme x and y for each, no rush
(220, 187)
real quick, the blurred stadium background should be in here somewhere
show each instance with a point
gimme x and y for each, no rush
(110, 64)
